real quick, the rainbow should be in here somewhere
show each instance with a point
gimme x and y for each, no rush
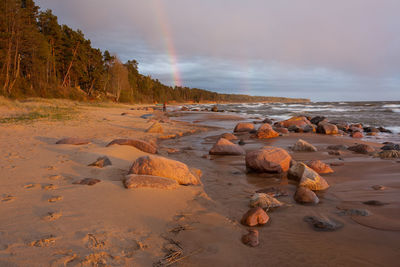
(169, 44)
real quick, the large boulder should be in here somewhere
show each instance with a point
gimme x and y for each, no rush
(268, 159)
(73, 141)
(391, 146)
(303, 146)
(139, 144)
(317, 119)
(319, 166)
(307, 177)
(163, 167)
(244, 127)
(255, 216)
(229, 136)
(327, 128)
(304, 195)
(226, 147)
(295, 121)
(155, 128)
(362, 149)
(149, 181)
(389, 154)
(265, 131)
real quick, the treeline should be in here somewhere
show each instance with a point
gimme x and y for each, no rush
(40, 57)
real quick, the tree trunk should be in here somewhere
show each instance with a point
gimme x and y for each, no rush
(70, 66)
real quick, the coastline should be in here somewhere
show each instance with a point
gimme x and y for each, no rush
(108, 224)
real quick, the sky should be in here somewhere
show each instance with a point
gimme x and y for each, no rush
(319, 49)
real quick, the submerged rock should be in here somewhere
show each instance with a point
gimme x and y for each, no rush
(374, 203)
(268, 159)
(303, 146)
(255, 216)
(273, 191)
(362, 149)
(244, 127)
(337, 147)
(139, 144)
(353, 212)
(140, 181)
(319, 166)
(226, 147)
(304, 195)
(264, 201)
(307, 177)
(73, 141)
(323, 223)
(163, 167)
(251, 239)
(101, 162)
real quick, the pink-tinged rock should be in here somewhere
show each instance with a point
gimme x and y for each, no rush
(244, 127)
(319, 166)
(163, 167)
(265, 131)
(229, 136)
(139, 144)
(362, 149)
(268, 159)
(149, 181)
(304, 195)
(295, 121)
(251, 239)
(303, 146)
(73, 141)
(307, 177)
(226, 147)
(357, 134)
(255, 216)
(327, 128)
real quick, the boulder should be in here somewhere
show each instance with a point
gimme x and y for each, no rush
(389, 154)
(304, 195)
(327, 128)
(229, 136)
(163, 167)
(139, 144)
(267, 120)
(149, 181)
(307, 177)
(303, 146)
(391, 146)
(317, 119)
(244, 127)
(281, 130)
(265, 131)
(295, 121)
(155, 128)
(101, 162)
(73, 141)
(251, 239)
(319, 166)
(226, 147)
(255, 216)
(362, 149)
(268, 159)
(264, 201)
(357, 134)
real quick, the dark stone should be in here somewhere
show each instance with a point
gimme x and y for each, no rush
(267, 120)
(309, 129)
(323, 223)
(294, 128)
(317, 119)
(214, 109)
(242, 142)
(87, 181)
(101, 162)
(383, 130)
(354, 212)
(371, 130)
(362, 149)
(146, 116)
(391, 147)
(374, 203)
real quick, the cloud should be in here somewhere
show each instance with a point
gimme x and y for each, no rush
(334, 44)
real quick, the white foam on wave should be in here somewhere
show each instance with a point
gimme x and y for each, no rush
(397, 110)
(394, 129)
(391, 106)
(281, 117)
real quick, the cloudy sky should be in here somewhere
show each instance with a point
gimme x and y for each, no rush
(319, 49)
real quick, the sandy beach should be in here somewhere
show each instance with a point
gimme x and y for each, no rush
(49, 220)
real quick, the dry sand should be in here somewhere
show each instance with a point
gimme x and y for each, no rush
(49, 221)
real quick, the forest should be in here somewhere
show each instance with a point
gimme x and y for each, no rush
(41, 58)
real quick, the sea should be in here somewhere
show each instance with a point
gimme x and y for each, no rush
(377, 114)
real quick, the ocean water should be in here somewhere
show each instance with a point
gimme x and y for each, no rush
(385, 114)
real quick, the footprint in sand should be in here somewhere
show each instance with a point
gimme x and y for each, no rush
(55, 199)
(55, 177)
(30, 186)
(49, 187)
(44, 242)
(52, 216)
(8, 198)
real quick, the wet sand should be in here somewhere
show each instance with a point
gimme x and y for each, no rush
(108, 225)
